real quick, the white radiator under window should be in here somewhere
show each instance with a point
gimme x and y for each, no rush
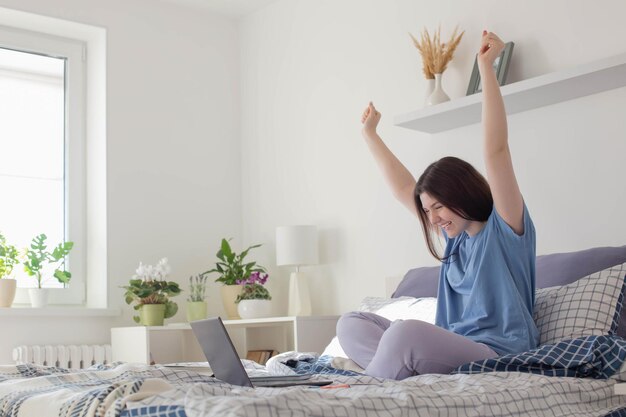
(63, 356)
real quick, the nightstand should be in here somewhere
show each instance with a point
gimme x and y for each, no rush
(176, 342)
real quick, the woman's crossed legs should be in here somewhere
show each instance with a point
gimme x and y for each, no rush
(404, 348)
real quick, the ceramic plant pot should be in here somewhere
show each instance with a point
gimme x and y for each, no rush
(229, 295)
(254, 309)
(152, 314)
(7, 291)
(38, 297)
(196, 310)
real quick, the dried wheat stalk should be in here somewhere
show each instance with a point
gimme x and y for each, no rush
(435, 54)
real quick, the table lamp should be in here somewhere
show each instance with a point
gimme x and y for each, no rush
(297, 246)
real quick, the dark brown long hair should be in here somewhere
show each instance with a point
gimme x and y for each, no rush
(458, 186)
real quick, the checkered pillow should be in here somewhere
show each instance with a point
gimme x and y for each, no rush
(588, 307)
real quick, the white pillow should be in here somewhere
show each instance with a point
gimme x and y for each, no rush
(401, 308)
(334, 349)
(588, 307)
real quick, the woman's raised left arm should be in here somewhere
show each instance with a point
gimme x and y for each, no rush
(506, 194)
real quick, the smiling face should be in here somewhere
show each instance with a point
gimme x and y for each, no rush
(451, 195)
(441, 216)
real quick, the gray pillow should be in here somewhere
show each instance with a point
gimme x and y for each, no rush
(551, 270)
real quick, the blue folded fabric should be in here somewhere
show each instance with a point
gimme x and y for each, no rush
(320, 366)
(597, 357)
(156, 411)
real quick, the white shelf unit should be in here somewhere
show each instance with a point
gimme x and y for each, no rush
(176, 342)
(555, 87)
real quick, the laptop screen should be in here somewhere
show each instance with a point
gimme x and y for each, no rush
(220, 351)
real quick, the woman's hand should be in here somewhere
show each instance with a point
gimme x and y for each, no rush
(491, 47)
(370, 119)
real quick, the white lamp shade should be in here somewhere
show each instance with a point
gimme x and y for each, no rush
(296, 245)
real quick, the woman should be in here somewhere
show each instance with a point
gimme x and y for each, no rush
(487, 282)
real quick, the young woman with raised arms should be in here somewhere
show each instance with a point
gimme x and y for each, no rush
(487, 282)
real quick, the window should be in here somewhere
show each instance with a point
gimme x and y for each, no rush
(52, 103)
(41, 100)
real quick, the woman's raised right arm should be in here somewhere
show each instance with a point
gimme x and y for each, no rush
(398, 178)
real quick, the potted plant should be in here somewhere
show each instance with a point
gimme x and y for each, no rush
(37, 257)
(231, 269)
(196, 305)
(254, 299)
(151, 292)
(8, 259)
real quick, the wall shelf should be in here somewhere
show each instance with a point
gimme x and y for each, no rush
(555, 87)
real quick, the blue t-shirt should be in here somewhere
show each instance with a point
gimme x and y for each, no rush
(487, 286)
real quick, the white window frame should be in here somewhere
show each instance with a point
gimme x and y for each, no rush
(84, 46)
(74, 134)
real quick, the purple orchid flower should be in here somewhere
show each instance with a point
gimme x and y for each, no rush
(254, 278)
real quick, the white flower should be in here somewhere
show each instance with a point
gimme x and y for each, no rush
(159, 272)
(162, 269)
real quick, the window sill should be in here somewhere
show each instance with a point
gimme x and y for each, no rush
(60, 311)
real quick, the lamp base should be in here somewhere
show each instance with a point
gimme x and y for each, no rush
(299, 298)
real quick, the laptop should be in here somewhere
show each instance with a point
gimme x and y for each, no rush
(226, 365)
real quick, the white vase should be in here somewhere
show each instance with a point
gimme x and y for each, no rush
(438, 95)
(7, 291)
(430, 87)
(254, 309)
(38, 297)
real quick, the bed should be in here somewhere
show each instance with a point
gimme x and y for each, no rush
(574, 371)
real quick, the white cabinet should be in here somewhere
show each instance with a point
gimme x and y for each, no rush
(176, 342)
(543, 90)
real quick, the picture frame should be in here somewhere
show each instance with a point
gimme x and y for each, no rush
(500, 65)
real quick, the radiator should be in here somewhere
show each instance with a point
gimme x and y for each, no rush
(63, 356)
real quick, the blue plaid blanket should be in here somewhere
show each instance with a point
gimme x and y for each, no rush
(598, 357)
(320, 366)
(89, 393)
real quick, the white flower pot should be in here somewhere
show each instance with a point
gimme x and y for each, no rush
(38, 297)
(254, 309)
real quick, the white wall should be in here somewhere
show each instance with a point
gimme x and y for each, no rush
(173, 150)
(310, 67)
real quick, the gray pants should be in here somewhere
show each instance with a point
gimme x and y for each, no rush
(404, 348)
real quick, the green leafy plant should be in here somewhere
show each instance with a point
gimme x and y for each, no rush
(231, 267)
(253, 288)
(8, 257)
(150, 286)
(197, 288)
(37, 257)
